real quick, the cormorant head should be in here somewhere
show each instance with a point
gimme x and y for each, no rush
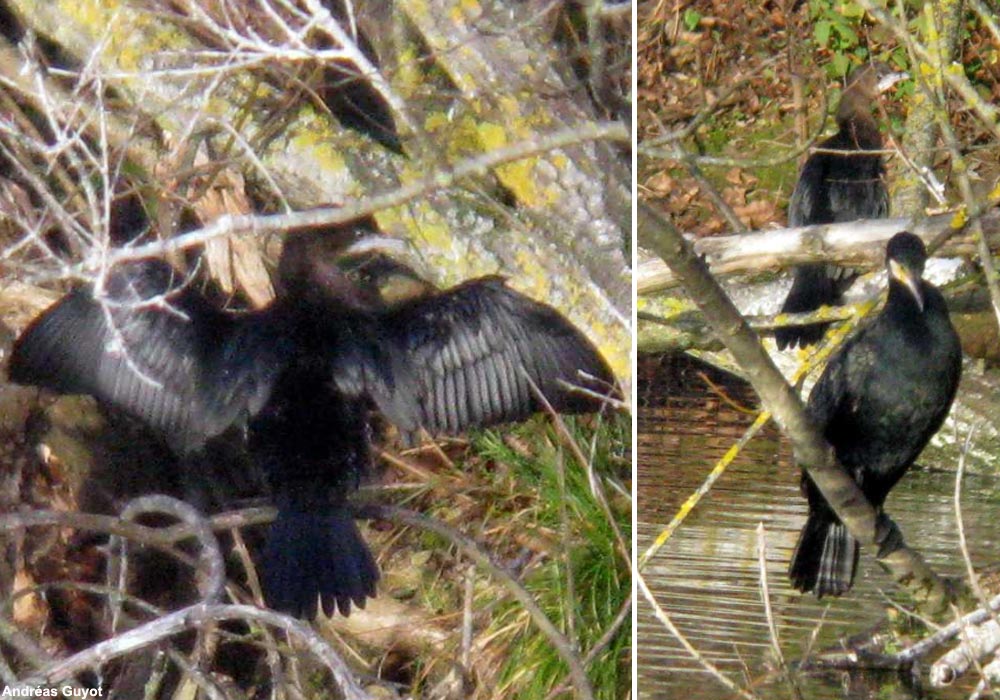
(874, 78)
(905, 256)
(865, 83)
(385, 278)
(309, 271)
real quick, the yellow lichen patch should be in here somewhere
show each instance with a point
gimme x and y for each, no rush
(464, 10)
(533, 274)
(614, 339)
(959, 219)
(311, 134)
(471, 7)
(519, 178)
(664, 306)
(93, 14)
(144, 38)
(491, 136)
(409, 73)
(521, 123)
(927, 70)
(460, 136)
(435, 121)
(620, 362)
(319, 147)
(424, 225)
(126, 36)
(510, 106)
(995, 194)
(457, 14)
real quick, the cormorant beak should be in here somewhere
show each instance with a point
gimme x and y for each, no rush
(909, 279)
(887, 81)
(377, 243)
(399, 249)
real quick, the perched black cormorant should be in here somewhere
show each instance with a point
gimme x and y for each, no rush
(835, 187)
(303, 376)
(878, 402)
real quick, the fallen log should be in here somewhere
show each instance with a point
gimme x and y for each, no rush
(856, 243)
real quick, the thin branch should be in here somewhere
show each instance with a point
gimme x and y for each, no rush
(189, 618)
(665, 620)
(765, 595)
(249, 225)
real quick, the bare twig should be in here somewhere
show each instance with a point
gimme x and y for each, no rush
(468, 547)
(765, 595)
(693, 500)
(665, 620)
(276, 223)
(190, 618)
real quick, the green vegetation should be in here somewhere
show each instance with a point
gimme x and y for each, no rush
(575, 571)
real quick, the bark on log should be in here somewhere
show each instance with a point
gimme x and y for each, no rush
(976, 643)
(853, 243)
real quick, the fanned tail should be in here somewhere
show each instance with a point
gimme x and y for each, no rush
(825, 559)
(317, 557)
(813, 286)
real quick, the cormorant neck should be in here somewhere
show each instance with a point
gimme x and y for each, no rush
(855, 120)
(308, 275)
(901, 302)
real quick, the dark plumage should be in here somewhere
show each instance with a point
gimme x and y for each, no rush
(878, 402)
(303, 375)
(835, 187)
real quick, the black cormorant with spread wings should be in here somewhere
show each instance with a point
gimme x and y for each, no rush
(303, 376)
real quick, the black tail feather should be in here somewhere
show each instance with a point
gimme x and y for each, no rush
(317, 558)
(813, 286)
(825, 559)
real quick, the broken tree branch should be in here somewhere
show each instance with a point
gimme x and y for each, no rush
(855, 243)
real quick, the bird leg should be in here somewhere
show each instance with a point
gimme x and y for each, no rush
(887, 536)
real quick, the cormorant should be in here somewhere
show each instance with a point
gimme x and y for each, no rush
(302, 376)
(878, 402)
(834, 187)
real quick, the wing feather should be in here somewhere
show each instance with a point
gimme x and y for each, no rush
(189, 371)
(469, 349)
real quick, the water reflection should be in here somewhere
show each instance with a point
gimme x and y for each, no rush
(707, 576)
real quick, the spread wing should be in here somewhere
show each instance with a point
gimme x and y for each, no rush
(166, 357)
(472, 349)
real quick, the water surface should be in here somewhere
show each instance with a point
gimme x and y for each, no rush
(707, 576)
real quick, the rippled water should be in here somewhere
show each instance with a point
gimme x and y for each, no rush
(707, 576)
